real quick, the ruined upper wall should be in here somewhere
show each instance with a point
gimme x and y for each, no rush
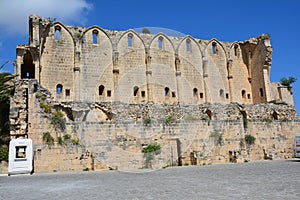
(97, 65)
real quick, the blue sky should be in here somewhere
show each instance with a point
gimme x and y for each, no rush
(225, 20)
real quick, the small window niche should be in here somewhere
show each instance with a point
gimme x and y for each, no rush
(201, 95)
(243, 94)
(109, 93)
(167, 92)
(101, 90)
(214, 49)
(95, 36)
(135, 91)
(68, 92)
(195, 92)
(57, 33)
(173, 94)
(130, 40)
(160, 43)
(59, 89)
(261, 92)
(143, 93)
(236, 50)
(188, 45)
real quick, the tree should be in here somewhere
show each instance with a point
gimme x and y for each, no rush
(288, 81)
(146, 31)
(6, 86)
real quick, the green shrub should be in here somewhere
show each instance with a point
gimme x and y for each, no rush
(147, 121)
(60, 141)
(151, 148)
(47, 108)
(169, 120)
(288, 81)
(75, 141)
(190, 118)
(47, 138)
(249, 139)
(67, 137)
(58, 120)
(4, 154)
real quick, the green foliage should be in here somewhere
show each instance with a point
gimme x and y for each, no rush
(47, 108)
(190, 118)
(58, 120)
(147, 121)
(75, 141)
(146, 31)
(60, 141)
(288, 81)
(242, 143)
(4, 154)
(50, 21)
(268, 120)
(169, 120)
(86, 169)
(152, 148)
(7, 86)
(67, 137)
(47, 138)
(245, 123)
(249, 139)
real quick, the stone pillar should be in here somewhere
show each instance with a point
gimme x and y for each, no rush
(178, 76)
(229, 71)
(115, 71)
(266, 76)
(76, 92)
(149, 75)
(205, 76)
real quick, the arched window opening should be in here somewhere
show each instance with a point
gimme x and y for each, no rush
(95, 36)
(261, 92)
(243, 94)
(209, 114)
(248, 96)
(101, 90)
(135, 91)
(173, 94)
(27, 68)
(160, 43)
(195, 92)
(167, 92)
(188, 45)
(227, 96)
(59, 89)
(201, 95)
(275, 115)
(214, 49)
(236, 50)
(57, 32)
(221, 93)
(129, 40)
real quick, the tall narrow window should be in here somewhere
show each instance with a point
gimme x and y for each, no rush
(243, 94)
(201, 95)
(236, 50)
(135, 91)
(59, 89)
(188, 45)
(261, 92)
(129, 40)
(221, 93)
(57, 33)
(95, 37)
(101, 90)
(173, 94)
(160, 43)
(195, 92)
(167, 92)
(214, 49)
(68, 92)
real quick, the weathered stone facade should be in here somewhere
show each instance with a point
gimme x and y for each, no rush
(121, 91)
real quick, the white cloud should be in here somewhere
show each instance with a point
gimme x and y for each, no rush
(14, 13)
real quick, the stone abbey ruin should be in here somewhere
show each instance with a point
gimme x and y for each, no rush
(94, 99)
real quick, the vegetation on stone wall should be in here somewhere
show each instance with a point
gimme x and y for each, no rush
(146, 31)
(4, 154)
(149, 152)
(168, 120)
(58, 120)
(218, 137)
(47, 138)
(249, 139)
(147, 121)
(288, 81)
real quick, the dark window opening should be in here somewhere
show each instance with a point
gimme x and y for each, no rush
(108, 93)
(173, 94)
(261, 92)
(101, 90)
(227, 96)
(143, 93)
(221, 93)
(167, 92)
(214, 49)
(59, 89)
(201, 95)
(248, 96)
(236, 50)
(195, 92)
(243, 94)
(57, 32)
(68, 92)
(27, 68)
(275, 115)
(95, 37)
(135, 91)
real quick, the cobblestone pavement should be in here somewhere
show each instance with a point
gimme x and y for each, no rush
(255, 180)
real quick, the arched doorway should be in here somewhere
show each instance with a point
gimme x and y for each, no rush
(27, 68)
